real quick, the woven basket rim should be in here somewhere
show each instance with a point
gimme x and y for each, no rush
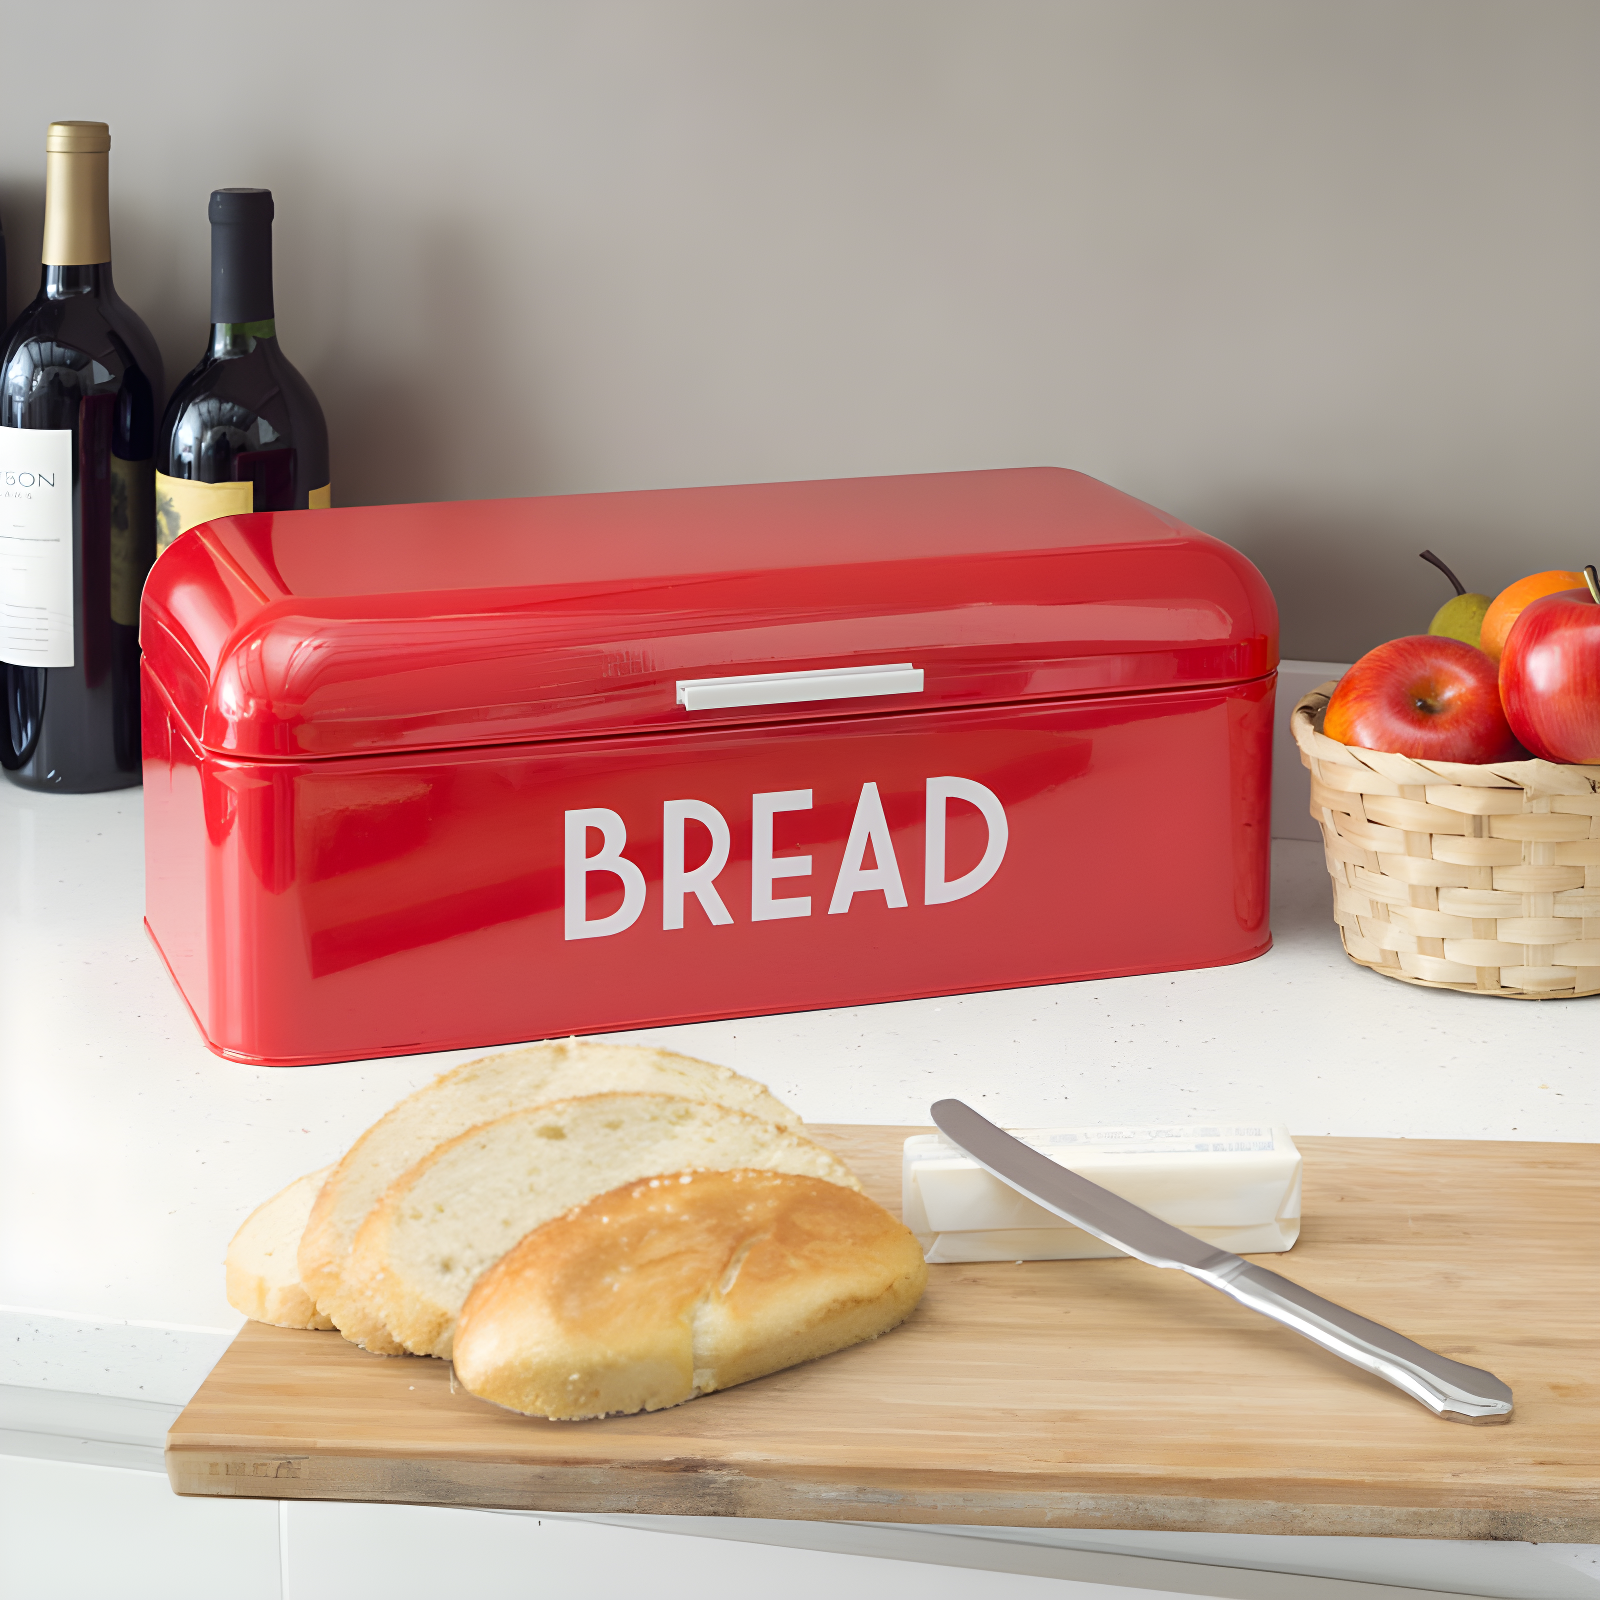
(1532, 776)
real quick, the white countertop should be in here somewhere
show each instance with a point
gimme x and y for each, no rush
(129, 1153)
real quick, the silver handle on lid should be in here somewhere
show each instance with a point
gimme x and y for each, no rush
(788, 688)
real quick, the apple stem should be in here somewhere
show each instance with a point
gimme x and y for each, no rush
(1592, 578)
(1428, 555)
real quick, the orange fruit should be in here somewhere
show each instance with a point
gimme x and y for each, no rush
(1509, 604)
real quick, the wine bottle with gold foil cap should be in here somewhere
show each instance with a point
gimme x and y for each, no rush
(243, 432)
(80, 387)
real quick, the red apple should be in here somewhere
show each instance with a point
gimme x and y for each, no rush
(1550, 677)
(1427, 696)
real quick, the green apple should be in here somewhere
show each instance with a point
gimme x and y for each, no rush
(1461, 616)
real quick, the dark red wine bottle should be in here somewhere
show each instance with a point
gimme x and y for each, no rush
(243, 432)
(80, 384)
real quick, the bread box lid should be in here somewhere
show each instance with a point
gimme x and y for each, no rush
(317, 634)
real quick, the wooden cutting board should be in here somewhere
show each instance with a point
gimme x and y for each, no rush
(1059, 1394)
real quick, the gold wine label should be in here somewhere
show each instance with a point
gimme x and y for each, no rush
(184, 503)
(77, 208)
(320, 499)
(133, 540)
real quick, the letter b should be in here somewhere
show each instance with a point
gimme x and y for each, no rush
(579, 864)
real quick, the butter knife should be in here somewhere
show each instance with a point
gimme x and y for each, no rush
(1448, 1388)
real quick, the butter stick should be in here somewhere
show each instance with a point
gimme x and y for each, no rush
(1235, 1185)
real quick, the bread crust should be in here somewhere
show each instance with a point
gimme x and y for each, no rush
(261, 1267)
(475, 1092)
(680, 1285)
(471, 1199)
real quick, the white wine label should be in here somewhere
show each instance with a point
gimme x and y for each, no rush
(320, 499)
(36, 547)
(184, 503)
(133, 509)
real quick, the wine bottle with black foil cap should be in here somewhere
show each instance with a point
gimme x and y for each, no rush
(243, 432)
(80, 388)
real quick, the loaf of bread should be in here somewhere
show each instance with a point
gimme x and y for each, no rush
(476, 1092)
(263, 1272)
(667, 1289)
(466, 1203)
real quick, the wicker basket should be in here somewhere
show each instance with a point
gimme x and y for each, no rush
(1479, 878)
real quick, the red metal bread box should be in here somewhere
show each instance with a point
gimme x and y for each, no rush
(430, 776)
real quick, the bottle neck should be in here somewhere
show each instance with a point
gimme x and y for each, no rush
(230, 340)
(241, 271)
(64, 283)
(77, 209)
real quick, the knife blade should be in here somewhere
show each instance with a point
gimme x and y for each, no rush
(1449, 1389)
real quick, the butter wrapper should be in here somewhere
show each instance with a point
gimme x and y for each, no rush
(1235, 1185)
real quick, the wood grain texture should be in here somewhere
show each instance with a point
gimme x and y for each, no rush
(1064, 1394)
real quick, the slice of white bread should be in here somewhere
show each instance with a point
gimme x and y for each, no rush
(480, 1091)
(465, 1204)
(263, 1273)
(667, 1289)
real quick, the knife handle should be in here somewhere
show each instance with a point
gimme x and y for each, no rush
(1449, 1388)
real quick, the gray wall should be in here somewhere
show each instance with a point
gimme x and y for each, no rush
(1320, 278)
